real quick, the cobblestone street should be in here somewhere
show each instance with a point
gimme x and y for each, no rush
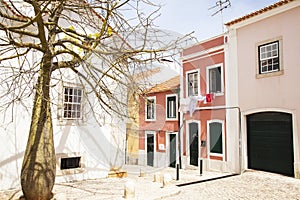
(250, 185)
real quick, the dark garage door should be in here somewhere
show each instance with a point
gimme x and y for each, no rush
(270, 142)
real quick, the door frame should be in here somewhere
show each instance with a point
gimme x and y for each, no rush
(187, 144)
(168, 148)
(154, 149)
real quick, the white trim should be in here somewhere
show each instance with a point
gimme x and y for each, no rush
(202, 57)
(150, 98)
(278, 39)
(176, 107)
(223, 139)
(72, 102)
(204, 53)
(61, 121)
(187, 145)
(213, 107)
(154, 149)
(208, 78)
(186, 81)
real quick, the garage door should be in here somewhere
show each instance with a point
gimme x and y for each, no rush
(270, 142)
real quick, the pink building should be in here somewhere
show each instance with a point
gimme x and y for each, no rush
(262, 79)
(158, 125)
(203, 130)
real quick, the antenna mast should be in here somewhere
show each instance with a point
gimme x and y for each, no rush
(220, 6)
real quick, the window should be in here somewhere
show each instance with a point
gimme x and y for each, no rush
(193, 83)
(150, 108)
(70, 163)
(215, 137)
(171, 106)
(214, 76)
(268, 57)
(72, 108)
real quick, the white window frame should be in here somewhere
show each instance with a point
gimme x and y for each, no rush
(187, 82)
(208, 81)
(72, 103)
(223, 138)
(146, 108)
(176, 107)
(269, 57)
(279, 72)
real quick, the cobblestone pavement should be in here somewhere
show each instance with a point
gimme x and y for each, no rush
(253, 185)
(250, 185)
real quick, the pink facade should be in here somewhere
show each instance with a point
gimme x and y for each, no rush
(158, 127)
(204, 129)
(263, 82)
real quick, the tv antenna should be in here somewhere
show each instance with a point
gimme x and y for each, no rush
(219, 7)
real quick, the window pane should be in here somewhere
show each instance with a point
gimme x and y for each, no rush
(215, 133)
(192, 84)
(150, 108)
(274, 53)
(72, 100)
(171, 107)
(215, 81)
(269, 57)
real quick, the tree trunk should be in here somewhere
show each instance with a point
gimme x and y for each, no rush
(39, 164)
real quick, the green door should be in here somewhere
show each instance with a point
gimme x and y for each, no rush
(270, 142)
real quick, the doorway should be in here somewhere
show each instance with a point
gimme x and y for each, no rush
(172, 150)
(194, 143)
(270, 142)
(150, 149)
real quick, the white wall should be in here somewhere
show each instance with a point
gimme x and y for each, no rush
(101, 144)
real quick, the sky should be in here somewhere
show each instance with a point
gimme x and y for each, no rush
(186, 16)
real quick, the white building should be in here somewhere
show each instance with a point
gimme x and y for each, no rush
(88, 141)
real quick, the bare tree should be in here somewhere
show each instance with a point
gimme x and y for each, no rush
(42, 40)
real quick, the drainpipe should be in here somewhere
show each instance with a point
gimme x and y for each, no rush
(179, 140)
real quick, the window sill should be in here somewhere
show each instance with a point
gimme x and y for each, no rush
(150, 120)
(64, 172)
(71, 122)
(172, 119)
(216, 154)
(219, 94)
(271, 74)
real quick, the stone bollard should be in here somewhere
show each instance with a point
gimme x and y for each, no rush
(142, 173)
(129, 190)
(167, 180)
(157, 177)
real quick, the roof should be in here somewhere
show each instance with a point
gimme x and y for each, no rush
(258, 12)
(170, 84)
